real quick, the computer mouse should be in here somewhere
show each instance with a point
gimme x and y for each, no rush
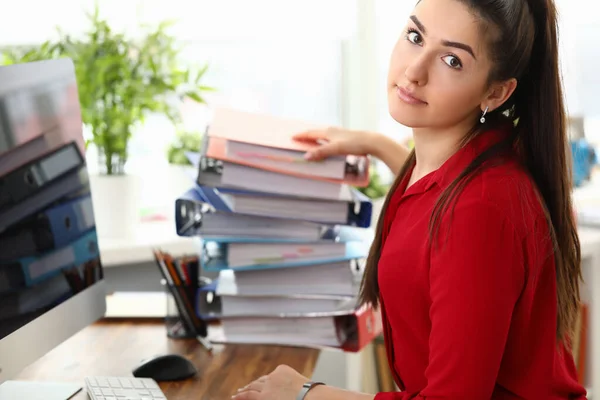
(171, 367)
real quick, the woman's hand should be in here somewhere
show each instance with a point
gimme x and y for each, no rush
(337, 141)
(284, 383)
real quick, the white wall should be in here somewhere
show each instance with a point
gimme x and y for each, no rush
(581, 31)
(33, 21)
(580, 57)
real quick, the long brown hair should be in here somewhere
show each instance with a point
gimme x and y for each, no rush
(523, 44)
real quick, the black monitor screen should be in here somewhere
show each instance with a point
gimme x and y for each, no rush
(48, 245)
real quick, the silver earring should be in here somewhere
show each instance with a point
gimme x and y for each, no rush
(482, 119)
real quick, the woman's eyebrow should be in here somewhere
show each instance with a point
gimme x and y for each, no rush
(418, 24)
(447, 43)
(459, 45)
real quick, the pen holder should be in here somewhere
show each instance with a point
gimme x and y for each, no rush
(176, 325)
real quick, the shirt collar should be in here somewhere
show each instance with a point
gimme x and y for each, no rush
(460, 160)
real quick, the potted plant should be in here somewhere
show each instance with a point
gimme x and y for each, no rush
(121, 81)
(185, 141)
(376, 188)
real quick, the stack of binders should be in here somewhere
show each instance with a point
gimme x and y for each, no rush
(287, 236)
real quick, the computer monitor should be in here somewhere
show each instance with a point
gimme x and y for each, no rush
(51, 281)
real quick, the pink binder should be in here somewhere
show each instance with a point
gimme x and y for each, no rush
(273, 132)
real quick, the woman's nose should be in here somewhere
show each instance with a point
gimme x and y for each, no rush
(416, 70)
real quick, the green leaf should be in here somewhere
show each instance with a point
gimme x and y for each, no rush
(196, 97)
(206, 88)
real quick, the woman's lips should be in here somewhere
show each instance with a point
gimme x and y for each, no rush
(407, 97)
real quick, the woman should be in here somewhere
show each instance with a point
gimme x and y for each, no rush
(476, 260)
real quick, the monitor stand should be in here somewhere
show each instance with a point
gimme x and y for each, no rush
(17, 390)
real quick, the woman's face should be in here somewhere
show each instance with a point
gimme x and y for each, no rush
(438, 75)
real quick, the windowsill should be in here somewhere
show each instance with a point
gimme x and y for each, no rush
(136, 305)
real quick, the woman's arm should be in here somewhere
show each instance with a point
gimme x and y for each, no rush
(389, 151)
(285, 383)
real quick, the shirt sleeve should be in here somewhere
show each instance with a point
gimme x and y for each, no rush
(476, 277)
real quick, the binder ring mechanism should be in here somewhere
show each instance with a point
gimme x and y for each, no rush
(191, 215)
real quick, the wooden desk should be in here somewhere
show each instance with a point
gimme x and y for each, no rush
(114, 348)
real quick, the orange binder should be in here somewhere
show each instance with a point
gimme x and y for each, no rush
(275, 133)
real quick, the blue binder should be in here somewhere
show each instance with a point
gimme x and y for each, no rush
(68, 184)
(31, 270)
(359, 210)
(354, 250)
(51, 228)
(70, 220)
(198, 215)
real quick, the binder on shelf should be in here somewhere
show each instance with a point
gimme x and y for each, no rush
(49, 229)
(28, 271)
(42, 172)
(350, 332)
(44, 295)
(196, 217)
(14, 157)
(214, 257)
(69, 184)
(356, 212)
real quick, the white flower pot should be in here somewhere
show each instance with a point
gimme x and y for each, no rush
(116, 200)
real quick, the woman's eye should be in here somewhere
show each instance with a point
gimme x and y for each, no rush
(414, 37)
(453, 62)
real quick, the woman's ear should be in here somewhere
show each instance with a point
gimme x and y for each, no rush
(498, 93)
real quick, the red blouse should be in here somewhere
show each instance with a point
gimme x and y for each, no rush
(474, 316)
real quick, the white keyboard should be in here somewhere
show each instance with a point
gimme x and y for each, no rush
(122, 388)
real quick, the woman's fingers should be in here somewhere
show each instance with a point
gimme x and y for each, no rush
(247, 395)
(324, 151)
(329, 140)
(256, 385)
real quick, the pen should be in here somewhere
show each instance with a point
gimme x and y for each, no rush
(205, 343)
